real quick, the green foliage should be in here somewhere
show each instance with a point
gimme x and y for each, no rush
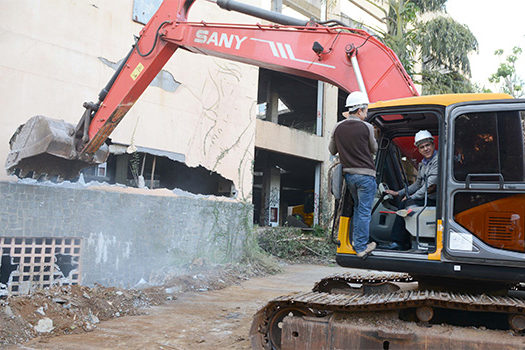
(435, 82)
(442, 43)
(294, 245)
(445, 51)
(506, 76)
(319, 231)
(253, 255)
(257, 258)
(398, 35)
(429, 5)
(134, 166)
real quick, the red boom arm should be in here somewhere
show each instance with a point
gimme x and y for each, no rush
(281, 48)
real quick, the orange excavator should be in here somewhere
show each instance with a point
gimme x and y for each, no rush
(466, 250)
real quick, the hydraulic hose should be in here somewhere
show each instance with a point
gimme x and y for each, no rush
(275, 17)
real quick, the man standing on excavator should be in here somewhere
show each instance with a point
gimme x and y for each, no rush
(353, 139)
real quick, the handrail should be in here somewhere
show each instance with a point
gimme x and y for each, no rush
(501, 180)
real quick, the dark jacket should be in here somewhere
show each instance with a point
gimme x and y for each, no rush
(354, 140)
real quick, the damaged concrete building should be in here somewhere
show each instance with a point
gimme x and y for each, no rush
(215, 145)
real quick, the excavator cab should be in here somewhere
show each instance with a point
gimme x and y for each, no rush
(476, 227)
(397, 169)
(466, 247)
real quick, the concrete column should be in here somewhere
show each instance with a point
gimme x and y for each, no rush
(272, 105)
(317, 192)
(333, 9)
(271, 195)
(121, 171)
(320, 107)
(320, 89)
(329, 120)
(277, 6)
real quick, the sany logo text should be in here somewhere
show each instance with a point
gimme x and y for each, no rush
(281, 50)
(203, 37)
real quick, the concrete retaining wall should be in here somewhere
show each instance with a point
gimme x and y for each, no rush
(126, 237)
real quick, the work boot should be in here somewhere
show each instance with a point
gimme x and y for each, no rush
(369, 247)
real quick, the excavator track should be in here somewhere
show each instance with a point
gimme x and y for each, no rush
(351, 282)
(292, 319)
(404, 299)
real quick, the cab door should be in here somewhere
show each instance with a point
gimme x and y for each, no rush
(485, 183)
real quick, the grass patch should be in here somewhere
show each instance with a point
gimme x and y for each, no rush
(256, 259)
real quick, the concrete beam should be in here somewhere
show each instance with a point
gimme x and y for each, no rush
(286, 140)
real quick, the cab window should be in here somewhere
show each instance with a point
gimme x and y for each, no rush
(489, 143)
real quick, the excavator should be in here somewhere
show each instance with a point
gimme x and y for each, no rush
(465, 264)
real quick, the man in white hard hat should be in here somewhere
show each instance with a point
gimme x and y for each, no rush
(428, 170)
(353, 139)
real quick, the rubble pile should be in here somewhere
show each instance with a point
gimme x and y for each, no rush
(75, 309)
(69, 309)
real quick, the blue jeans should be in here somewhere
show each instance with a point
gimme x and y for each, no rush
(362, 189)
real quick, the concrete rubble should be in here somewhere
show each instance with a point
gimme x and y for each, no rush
(74, 309)
(68, 310)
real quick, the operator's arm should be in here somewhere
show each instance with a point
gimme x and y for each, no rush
(430, 172)
(413, 188)
(332, 147)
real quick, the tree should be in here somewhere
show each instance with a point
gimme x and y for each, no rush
(446, 67)
(445, 64)
(506, 75)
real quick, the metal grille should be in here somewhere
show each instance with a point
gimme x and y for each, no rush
(499, 226)
(39, 262)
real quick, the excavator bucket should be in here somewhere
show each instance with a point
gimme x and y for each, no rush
(45, 147)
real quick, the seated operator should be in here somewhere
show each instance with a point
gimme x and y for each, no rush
(428, 169)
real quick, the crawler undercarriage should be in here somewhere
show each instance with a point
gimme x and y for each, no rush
(389, 311)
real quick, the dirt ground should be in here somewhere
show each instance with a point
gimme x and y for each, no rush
(202, 317)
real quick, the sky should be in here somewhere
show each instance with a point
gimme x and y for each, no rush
(497, 24)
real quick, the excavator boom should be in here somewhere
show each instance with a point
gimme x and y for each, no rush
(348, 58)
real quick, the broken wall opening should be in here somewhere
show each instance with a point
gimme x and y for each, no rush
(287, 100)
(281, 184)
(34, 263)
(143, 169)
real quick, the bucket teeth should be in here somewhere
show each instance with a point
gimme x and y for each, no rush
(22, 173)
(40, 177)
(48, 146)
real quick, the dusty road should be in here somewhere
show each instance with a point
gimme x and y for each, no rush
(211, 320)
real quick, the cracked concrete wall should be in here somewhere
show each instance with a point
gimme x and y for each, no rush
(62, 54)
(127, 236)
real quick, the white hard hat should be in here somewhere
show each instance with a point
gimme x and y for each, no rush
(422, 135)
(356, 98)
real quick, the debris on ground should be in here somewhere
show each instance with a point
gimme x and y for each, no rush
(69, 309)
(75, 309)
